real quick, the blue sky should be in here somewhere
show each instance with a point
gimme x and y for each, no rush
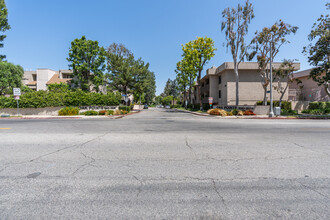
(41, 30)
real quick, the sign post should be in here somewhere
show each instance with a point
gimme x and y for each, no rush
(17, 93)
(210, 101)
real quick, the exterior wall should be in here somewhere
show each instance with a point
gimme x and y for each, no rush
(214, 89)
(310, 90)
(250, 88)
(43, 76)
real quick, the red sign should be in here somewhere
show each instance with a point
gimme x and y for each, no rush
(16, 97)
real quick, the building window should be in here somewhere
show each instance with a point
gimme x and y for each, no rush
(219, 94)
(207, 82)
(219, 79)
(34, 77)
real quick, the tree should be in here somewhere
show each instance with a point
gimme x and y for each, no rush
(87, 58)
(186, 75)
(275, 36)
(284, 72)
(198, 53)
(4, 26)
(171, 89)
(182, 79)
(235, 24)
(129, 76)
(10, 77)
(318, 51)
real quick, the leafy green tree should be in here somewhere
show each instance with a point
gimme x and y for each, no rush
(4, 26)
(318, 51)
(10, 77)
(87, 58)
(158, 100)
(236, 22)
(182, 79)
(171, 89)
(276, 36)
(186, 75)
(128, 75)
(197, 53)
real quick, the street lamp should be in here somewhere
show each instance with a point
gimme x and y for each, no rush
(271, 113)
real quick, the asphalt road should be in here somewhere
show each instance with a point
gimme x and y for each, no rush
(161, 164)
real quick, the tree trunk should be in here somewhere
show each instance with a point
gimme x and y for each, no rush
(237, 82)
(265, 95)
(327, 89)
(280, 102)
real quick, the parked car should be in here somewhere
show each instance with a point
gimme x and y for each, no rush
(167, 107)
(145, 106)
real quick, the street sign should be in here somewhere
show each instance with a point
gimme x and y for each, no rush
(210, 100)
(268, 92)
(17, 91)
(16, 97)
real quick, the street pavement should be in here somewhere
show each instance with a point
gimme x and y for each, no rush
(164, 164)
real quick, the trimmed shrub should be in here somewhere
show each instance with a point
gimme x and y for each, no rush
(217, 111)
(288, 112)
(123, 112)
(125, 108)
(234, 111)
(109, 112)
(117, 112)
(313, 105)
(55, 98)
(69, 111)
(240, 113)
(248, 112)
(90, 112)
(229, 113)
(285, 104)
(102, 112)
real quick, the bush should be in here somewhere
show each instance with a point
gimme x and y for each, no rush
(288, 112)
(234, 111)
(319, 105)
(90, 112)
(285, 104)
(229, 113)
(117, 112)
(248, 112)
(217, 111)
(109, 112)
(240, 113)
(55, 98)
(69, 111)
(123, 112)
(125, 108)
(102, 112)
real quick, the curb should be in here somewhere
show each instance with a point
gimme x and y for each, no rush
(254, 117)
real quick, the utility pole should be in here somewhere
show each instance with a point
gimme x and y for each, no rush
(271, 113)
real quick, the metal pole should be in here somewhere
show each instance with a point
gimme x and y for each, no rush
(17, 107)
(271, 113)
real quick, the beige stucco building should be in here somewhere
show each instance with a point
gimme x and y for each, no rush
(219, 83)
(41, 78)
(307, 90)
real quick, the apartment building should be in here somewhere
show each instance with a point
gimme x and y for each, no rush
(219, 83)
(41, 78)
(307, 90)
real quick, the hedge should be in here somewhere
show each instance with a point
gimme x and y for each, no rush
(285, 104)
(41, 99)
(319, 105)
